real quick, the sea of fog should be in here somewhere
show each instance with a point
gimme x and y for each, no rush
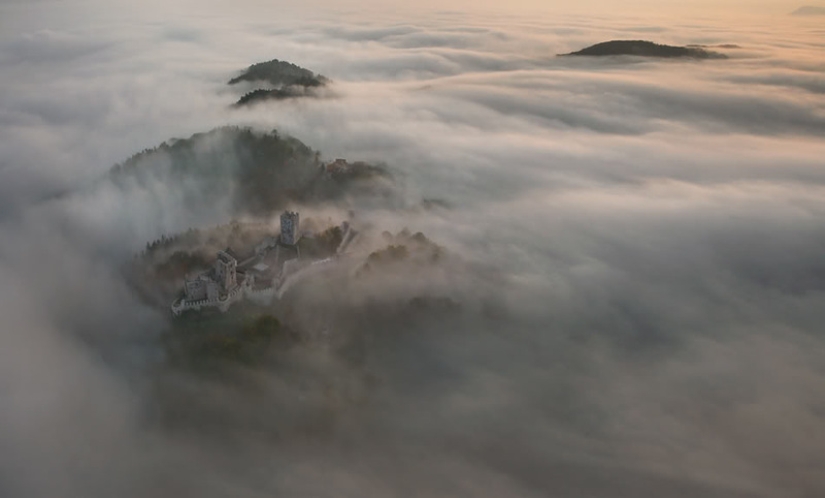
(642, 247)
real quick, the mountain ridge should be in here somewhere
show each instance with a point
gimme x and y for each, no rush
(644, 48)
(280, 80)
(809, 10)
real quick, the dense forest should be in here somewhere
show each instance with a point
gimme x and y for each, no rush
(282, 80)
(280, 74)
(260, 172)
(643, 48)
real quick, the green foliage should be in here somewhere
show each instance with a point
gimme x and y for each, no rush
(405, 247)
(287, 79)
(261, 95)
(323, 245)
(330, 239)
(242, 335)
(280, 74)
(645, 48)
(260, 172)
(180, 264)
(358, 171)
(391, 253)
(264, 331)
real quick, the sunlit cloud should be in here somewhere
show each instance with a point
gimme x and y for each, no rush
(635, 253)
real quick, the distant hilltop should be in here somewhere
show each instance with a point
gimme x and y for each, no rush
(280, 74)
(643, 48)
(809, 10)
(281, 80)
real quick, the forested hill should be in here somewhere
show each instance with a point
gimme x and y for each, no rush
(280, 74)
(809, 10)
(643, 48)
(277, 80)
(258, 172)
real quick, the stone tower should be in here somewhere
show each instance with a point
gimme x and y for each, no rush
(289, 228)
(225, 268)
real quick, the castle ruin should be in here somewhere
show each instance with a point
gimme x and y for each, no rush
(257, 276)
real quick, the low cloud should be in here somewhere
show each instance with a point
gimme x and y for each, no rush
(637, 264)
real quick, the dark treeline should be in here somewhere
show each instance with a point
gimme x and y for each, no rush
(644, 48)
(280, 74)
(260, 172)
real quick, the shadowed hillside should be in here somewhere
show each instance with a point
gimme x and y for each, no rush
(809, 10)
(280, 73)
(258, 172)
(283, 80)
(642, 48)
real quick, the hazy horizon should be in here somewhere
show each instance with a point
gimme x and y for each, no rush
(634, 247)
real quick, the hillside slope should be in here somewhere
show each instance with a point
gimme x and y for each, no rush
(643, 48)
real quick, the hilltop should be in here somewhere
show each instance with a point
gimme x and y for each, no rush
(283, 80)
(643, 48)
(249, 328)
(258, 173)
(809, 10)
(280, 73)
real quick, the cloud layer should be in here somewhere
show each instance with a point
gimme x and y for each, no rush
(639, 261)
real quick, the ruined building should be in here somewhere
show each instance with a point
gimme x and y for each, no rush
(256, 276)
(290, 228)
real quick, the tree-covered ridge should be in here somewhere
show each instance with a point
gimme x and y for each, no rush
(406, 248)
(259, 172)
(217, 154)
(213, 340)
(261, 94)
(644, 48)
(280, 74)
(282, 80)
(809, 10)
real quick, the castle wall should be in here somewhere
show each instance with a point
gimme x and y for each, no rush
(213, 291)
(195, 290)
(222, 287)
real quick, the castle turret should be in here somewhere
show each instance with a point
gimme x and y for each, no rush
(225, 269)
(289, 228)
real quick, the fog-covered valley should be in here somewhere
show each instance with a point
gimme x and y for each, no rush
(618, 289)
